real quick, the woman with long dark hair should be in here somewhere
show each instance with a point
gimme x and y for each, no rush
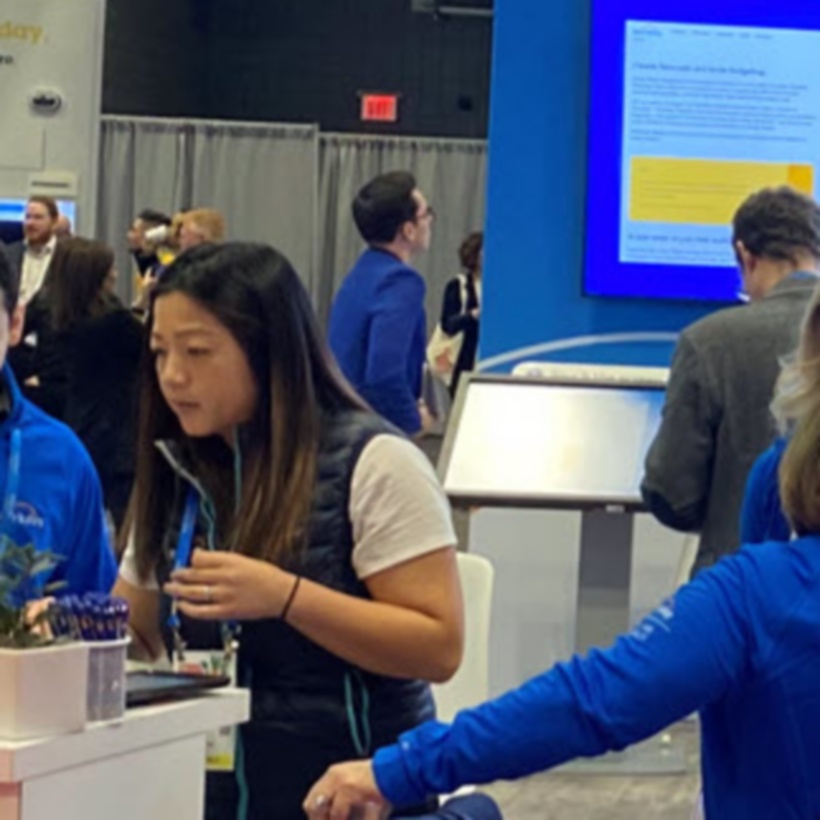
(86, 361)
(325, 545)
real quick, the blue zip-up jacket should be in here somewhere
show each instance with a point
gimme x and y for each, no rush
(741, 643)
(378, 333)
(761, 516)
(51, 495)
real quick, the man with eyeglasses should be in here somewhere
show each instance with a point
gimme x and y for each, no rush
(378, 328)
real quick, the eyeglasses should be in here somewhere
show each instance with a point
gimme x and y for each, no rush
(428, 214)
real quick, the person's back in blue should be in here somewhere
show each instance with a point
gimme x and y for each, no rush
(377, 327)
(761, 516)
(51, 493)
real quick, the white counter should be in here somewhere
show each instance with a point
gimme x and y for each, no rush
(150, 764)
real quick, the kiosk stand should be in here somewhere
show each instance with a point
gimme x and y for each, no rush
(555, 465)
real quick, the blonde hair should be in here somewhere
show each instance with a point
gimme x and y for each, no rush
(800, 471)
(798, 385)
(208, 222)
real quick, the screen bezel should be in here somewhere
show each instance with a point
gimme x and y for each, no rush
(528, 500)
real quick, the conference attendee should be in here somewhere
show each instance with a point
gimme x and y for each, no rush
(51, 494)
(322, 531)
(200, 226)
(716, 418)
(31, 257)
(762, 517)
(461, 308)
(63, 228)
(143, 248)
(739, 643)
(378, 326)
(86, 362)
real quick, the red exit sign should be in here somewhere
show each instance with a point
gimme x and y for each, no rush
(380, 107)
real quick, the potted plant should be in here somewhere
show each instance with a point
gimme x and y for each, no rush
(43, 682)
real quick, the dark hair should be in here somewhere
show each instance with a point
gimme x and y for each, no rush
(9, 283)
(384, 205)
(778, 223)
(470, 251)
(75, 281)
(256, 294)
(154, 217)
(49, 203)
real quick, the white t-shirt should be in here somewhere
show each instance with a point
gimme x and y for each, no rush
(397, 509)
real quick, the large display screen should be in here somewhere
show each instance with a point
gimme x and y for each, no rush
(694, 105)
(14, 210)
(525, 442)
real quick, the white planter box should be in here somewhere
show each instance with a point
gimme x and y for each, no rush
(43, 691)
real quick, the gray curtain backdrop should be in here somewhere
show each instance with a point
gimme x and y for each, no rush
(451, 173)
(287, 185)
(262, 177)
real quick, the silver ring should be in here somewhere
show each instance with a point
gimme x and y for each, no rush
(320, 801)
(209, 593)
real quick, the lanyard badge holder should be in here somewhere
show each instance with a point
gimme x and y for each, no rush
(221, 744)
(182, 559)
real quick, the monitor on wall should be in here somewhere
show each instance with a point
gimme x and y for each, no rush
(14, 209)
(694, 105)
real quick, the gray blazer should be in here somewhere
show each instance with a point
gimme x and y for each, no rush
(716, 418)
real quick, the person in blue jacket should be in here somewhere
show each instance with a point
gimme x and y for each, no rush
(378, 327)
(51, 495)
(762, 517)
(740, 643)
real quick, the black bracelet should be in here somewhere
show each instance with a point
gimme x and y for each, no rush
(292, 595)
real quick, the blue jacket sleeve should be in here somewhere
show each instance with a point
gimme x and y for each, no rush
(90, 563)
(761, 516)
(387, 384)
(682, 657)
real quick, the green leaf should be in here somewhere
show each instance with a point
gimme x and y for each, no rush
(20, 566)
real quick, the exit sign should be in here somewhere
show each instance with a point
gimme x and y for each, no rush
(380, 107)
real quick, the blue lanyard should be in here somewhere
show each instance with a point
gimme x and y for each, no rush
(13, 480)
(186, 534)
(12, 486)
(185, 544)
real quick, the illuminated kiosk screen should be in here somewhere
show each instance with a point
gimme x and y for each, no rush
(531, 442)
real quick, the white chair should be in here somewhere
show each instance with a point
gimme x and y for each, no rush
(689, 553)
(470, 685)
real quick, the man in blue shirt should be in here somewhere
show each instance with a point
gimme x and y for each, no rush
(50, 491)
(378, 328)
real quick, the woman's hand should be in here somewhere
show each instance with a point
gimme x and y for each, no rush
(346, 791)
(225, 586)
(35, 611)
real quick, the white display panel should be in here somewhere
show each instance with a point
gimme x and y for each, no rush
(533, 442)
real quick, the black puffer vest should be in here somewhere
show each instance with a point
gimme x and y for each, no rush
(310, 708)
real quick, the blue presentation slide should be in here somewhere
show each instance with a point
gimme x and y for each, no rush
(13, 210)
(693, 107)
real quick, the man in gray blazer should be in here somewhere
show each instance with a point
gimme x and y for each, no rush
(716, 418)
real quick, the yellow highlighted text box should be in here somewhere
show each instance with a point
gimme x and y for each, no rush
(702, 191)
